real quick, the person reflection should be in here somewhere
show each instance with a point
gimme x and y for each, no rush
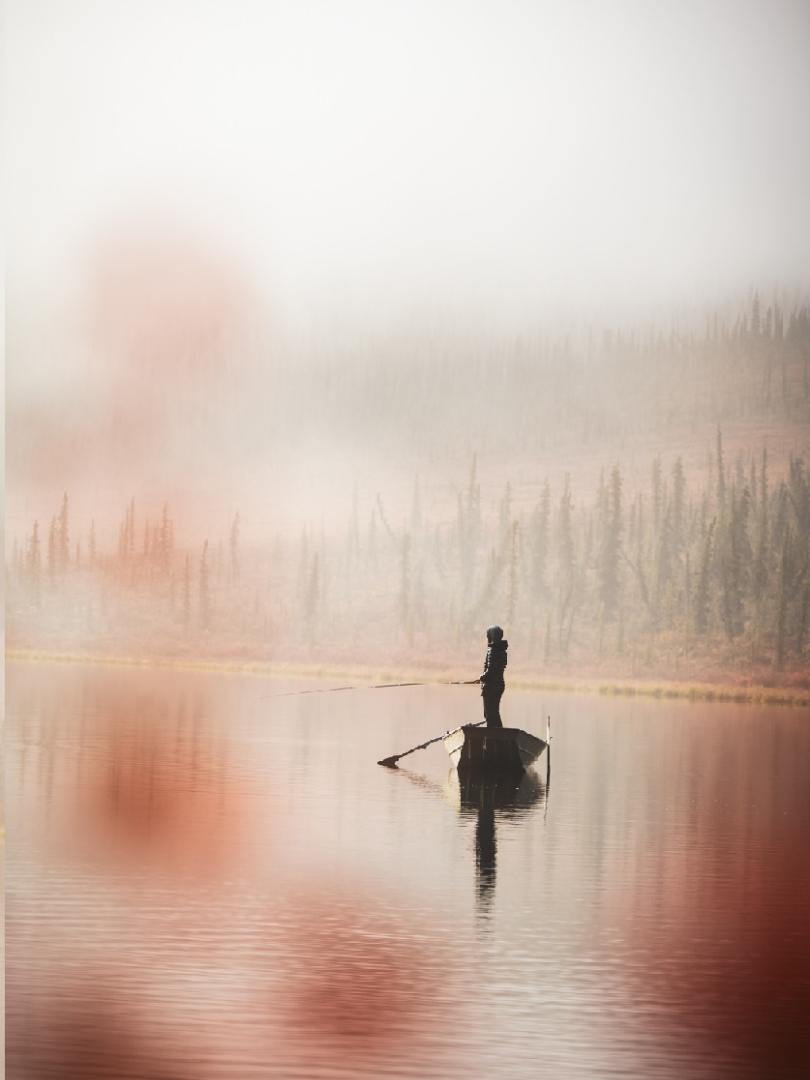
(507, 796)
(485, 858)
(512, 797)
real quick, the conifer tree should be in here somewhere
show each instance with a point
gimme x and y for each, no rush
(416, 509)
(565, 539)
(755, 316)
(204, 591)
(734, 559)
(187, 591)
(801, 624)
(405, 581)
(474, 499)
(512, 595)
(165, 539)
(540, 523)
(129, 551)
(565, 564)
(721, 472)
(760, 569)
(702, 603)
(610, 547)
(371, 538)
(354, 527)
(33, 562)
(505, 509)
(678, 522)
(63, 536)
(53, 554)
(782, 605)
(663, 568)
(312, 596)
(234, 549)
(657, 494)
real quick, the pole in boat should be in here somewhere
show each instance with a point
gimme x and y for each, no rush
(548, 751)
(391, 762)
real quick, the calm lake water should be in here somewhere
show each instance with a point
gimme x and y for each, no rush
(210, 877)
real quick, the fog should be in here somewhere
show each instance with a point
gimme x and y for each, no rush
(511, 163)
(338, 332)
(367, 307)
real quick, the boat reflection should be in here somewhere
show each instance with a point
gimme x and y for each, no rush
(507, 797)
(489, 798)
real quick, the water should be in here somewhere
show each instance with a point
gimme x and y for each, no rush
(209, 877)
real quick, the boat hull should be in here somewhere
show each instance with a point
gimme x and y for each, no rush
(493, 750)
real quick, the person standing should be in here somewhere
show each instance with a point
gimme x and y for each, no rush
(491, 679)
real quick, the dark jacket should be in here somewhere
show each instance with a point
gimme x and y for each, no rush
(494, 664)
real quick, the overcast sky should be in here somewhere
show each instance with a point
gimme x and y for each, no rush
(515, 158)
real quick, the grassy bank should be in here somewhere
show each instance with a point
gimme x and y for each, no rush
(689, 691)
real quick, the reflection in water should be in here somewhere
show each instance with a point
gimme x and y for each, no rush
(160, 925)
(363, 983)
(151, 785)
(485, 858)
(735, 906)
(88, 1034)
(512, 797)
(205, 886)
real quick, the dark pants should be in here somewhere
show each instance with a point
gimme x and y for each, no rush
(492, 699)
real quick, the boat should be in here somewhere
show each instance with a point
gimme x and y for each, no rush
(474, 749)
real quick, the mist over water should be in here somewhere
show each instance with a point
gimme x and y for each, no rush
(348, 314)
(342, 313)
(337, 333)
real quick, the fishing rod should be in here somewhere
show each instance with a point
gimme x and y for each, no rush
(373, 686)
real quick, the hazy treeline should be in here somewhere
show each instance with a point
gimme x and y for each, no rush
(536, 392)
(411, 396)
(710, 574)
(632, 563)
(263, 417)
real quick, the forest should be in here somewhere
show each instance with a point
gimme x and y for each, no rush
(606, 519)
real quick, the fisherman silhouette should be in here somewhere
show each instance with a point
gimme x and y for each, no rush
(491, 679)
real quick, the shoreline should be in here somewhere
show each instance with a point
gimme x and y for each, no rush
(660, 689)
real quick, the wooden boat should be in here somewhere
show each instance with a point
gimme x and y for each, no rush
(493, 750)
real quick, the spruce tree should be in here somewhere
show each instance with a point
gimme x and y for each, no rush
(678, 504)
(233, 549)
(405, 581)
(539, 544)
(33, 560)
(63, 536)
(612, 531)
(204, 589)
(721, 473)
(186, 591)
(53, 552)
(702, 602)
